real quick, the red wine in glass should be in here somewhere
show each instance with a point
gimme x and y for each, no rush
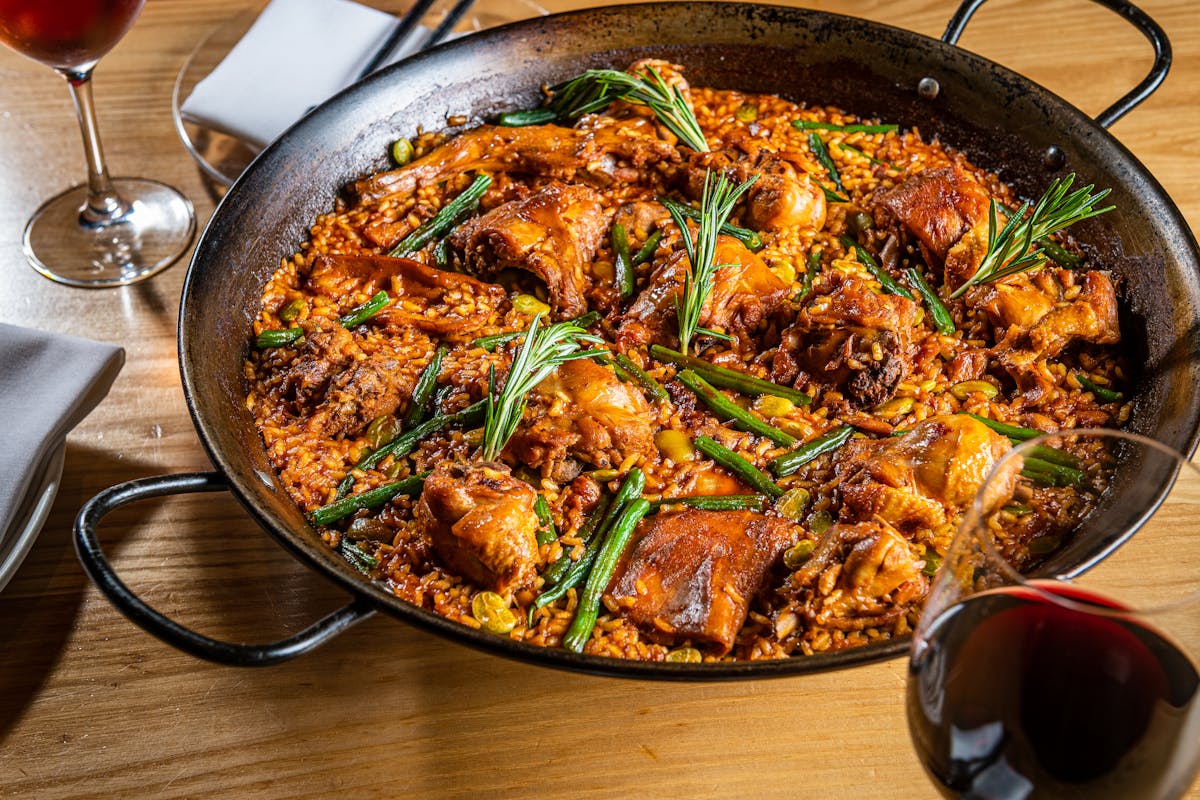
(107, 232)
(1015, 695)
(65, 33)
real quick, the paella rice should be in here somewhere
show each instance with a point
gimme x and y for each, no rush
(821, 422)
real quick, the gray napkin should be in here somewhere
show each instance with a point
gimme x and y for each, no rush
(48, 383)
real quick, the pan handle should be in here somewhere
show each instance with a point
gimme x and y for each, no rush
(1136, 17)
(98, 568)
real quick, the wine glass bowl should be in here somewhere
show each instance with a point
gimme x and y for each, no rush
(106, 232)
(1057, 651)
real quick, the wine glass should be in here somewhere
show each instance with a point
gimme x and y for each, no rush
(1056, 654)
(107, 232)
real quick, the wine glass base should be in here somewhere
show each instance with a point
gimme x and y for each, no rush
(156, 231)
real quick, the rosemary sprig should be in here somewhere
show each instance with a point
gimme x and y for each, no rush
(543, 350)
(597, 89)
(715, 206)
(1010, 249)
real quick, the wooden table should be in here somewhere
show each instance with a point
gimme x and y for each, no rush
(90, 706)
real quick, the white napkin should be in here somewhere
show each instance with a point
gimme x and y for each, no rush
(48, 384)
(297, 54)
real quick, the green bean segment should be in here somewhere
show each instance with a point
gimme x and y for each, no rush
(434, 227)
(601, 573)
(743, 469)
(728, 378)
(725, 408)
(373, 498)
(788, 463)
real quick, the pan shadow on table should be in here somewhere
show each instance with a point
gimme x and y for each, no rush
(196, 558)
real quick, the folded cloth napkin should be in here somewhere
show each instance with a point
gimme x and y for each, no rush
(48, 384)
(297, 54)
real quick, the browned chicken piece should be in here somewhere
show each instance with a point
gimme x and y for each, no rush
(744, 293)
(852, 338)
(481, 523)
(553, 233)
(690, 575)
(583, 411)
(922, 478)
(330, 379)
(602, 152)
(304, 372)
(640, 219)
(864, 575)
(1035, 321)
(432, 300)
(780, 197)
(947, 210)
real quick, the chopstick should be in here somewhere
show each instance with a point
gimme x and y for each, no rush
(403, 28)
(448, 23)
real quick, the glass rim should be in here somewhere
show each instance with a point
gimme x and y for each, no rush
(1036, 585)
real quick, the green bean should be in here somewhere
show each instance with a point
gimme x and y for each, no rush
(942, 321)
(441, 253)
(490, 343)
(647, 251)
(622, 261)
(554, 574)
(547, 533)
(1102, 393)
(831, 196)
(358, 558)
(1014, 432)
(747, 237)
(434, 227)
(650, 386)
(606, 563)
(361, 313)
(788, 463)
(811, 267)
(728, 378)
(818, 149)
(1053, 455)
(808, 125)
(877, 272)
(1058, 474)
(418, 406)
(406, 442)
(329, 514)
(277, 338)
(533, 116)
(721, 502)
(725, 408)
(739, 466)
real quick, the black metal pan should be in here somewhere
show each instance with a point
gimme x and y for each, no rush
(1002, 121)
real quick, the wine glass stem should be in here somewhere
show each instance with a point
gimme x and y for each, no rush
(104, 206)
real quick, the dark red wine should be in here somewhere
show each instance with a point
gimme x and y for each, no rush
(1016, 696)
(65, 34)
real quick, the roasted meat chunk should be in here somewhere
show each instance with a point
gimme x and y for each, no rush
(481, 522)
(780, 197)
(864, 575)
(922, 478)
(744, 293)
(599, 151)
(337, 384)
(947, 211)
(431, 300)
(690, 575)
(583, 411)
(851, 338)
(553, 233)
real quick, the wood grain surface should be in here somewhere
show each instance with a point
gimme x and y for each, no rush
(90, 706)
